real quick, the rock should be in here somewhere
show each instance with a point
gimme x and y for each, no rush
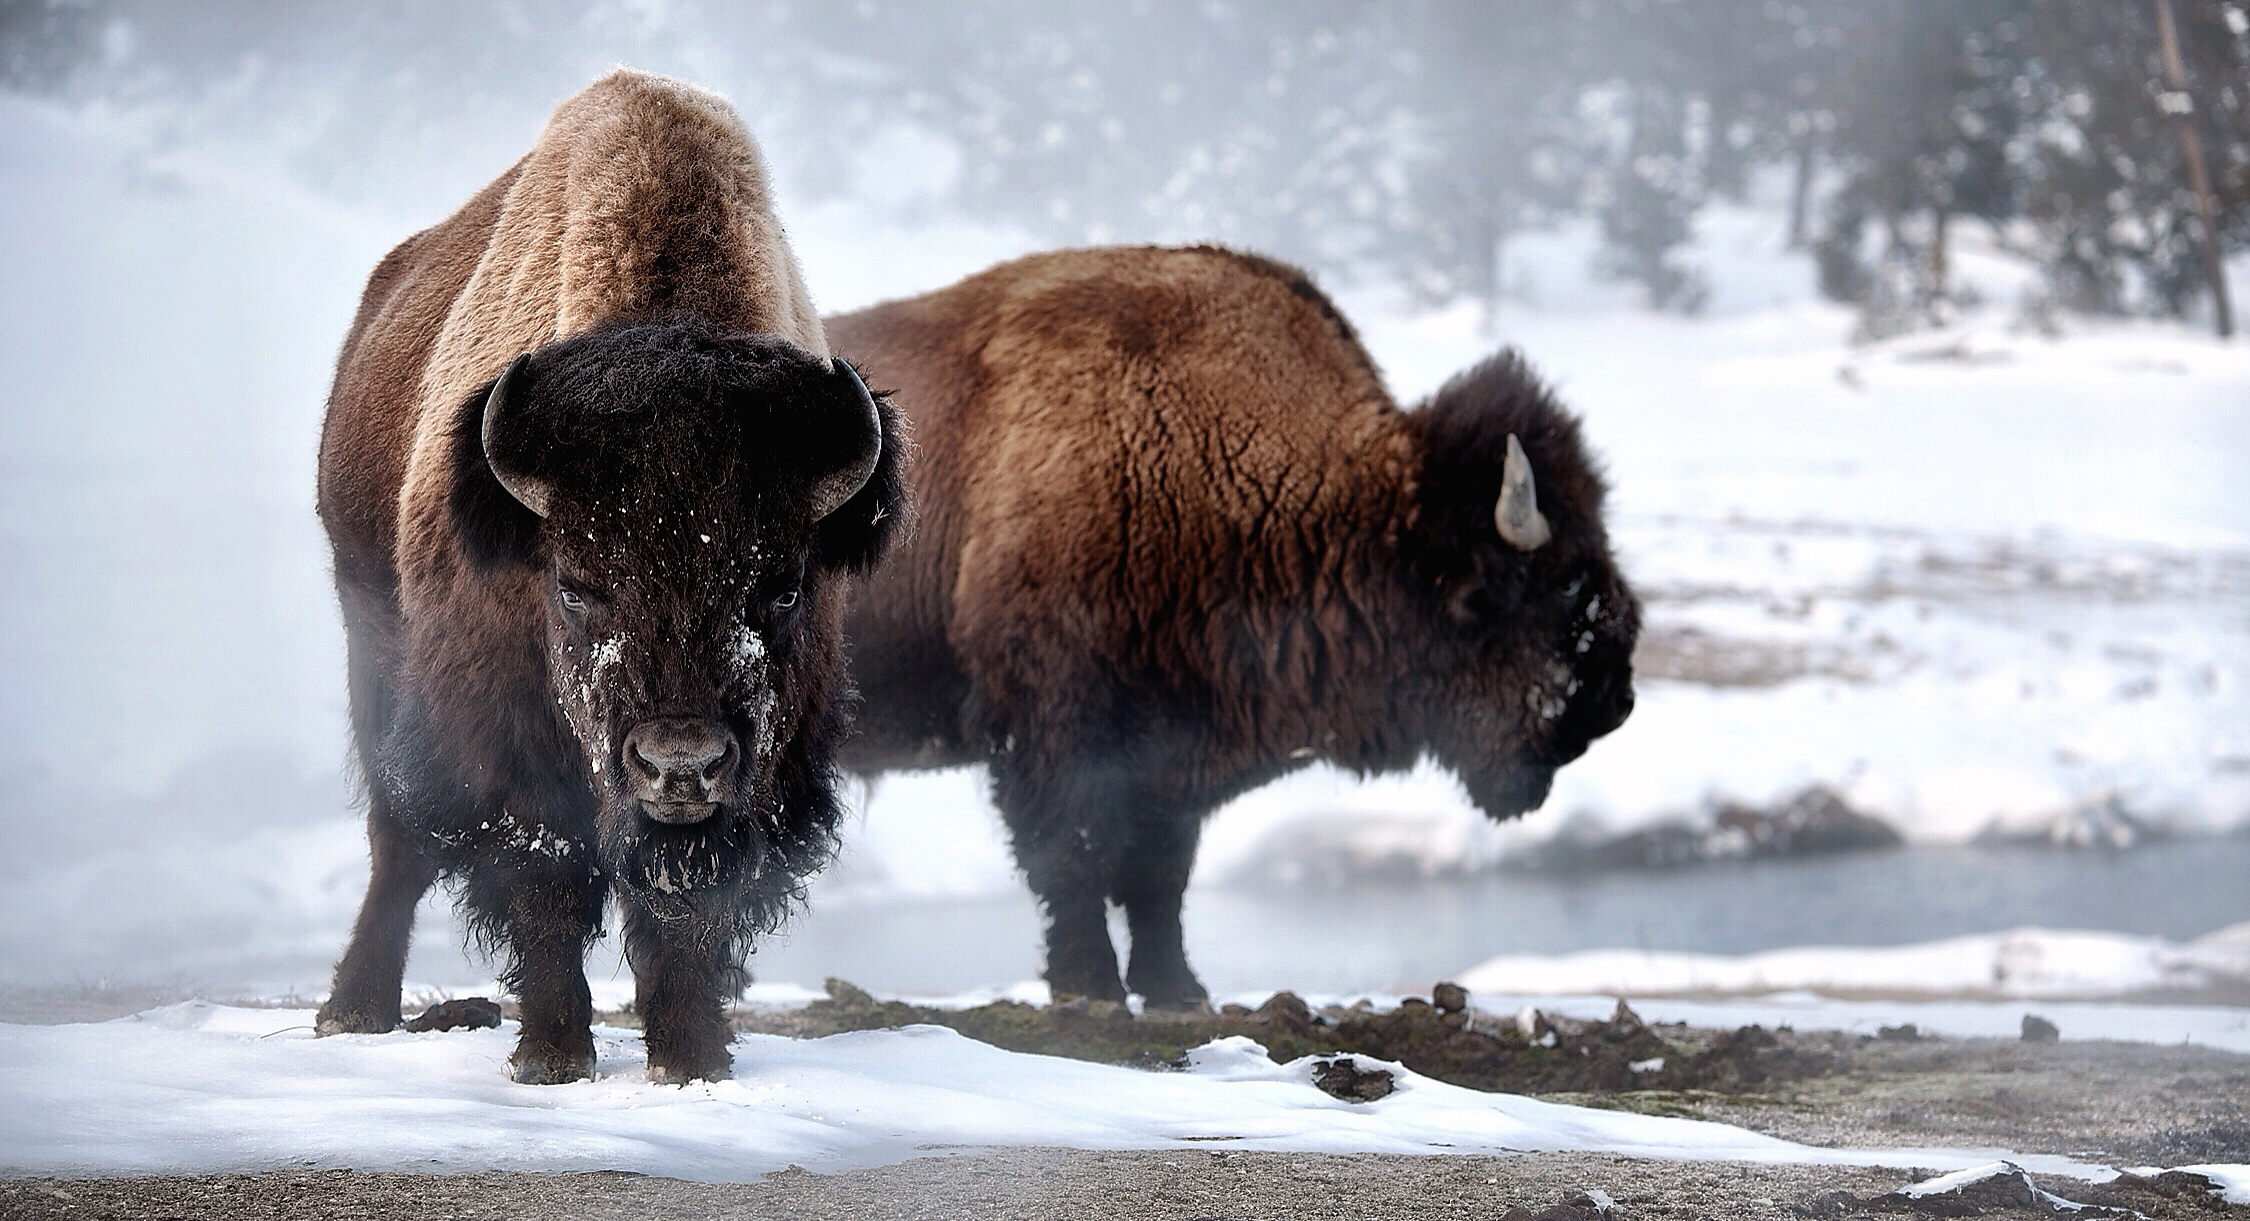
(1623, 1022)
(1585, 1206)
(468, 1013)
(1284, 1011)
(1233, 1010)
(845, 992)
(1904, 1032)
(1812, 822)
(2037, 1029)
(1344, 1078)
(1996, 1185)
(1450, 998)
(2185, 1186)
(1534, 1026)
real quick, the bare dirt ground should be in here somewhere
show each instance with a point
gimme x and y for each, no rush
(2125, 1104)
(1078, 1184)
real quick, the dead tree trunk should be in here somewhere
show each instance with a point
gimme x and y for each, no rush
(1800, 193)
(2177, 103)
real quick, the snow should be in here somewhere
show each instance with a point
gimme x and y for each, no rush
(202, 1087)
(2023, 964)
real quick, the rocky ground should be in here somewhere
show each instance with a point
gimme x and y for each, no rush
(2125, 1104)
(1072, 1184)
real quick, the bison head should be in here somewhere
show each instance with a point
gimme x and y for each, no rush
(667, 507)
(1535, 627)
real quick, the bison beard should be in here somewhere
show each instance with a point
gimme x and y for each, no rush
(592, 590)
(1178, 540)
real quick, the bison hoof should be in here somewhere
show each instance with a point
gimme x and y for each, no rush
(337, 1019)
(551, 1066)
(703, 1055)
(1173, 991)
(681, 1074)
(1063, 989)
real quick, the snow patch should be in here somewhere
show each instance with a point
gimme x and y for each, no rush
(2025, 963)
(208, 1088)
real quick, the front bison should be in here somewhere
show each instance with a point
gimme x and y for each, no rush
(1177, 540)
(591, 479)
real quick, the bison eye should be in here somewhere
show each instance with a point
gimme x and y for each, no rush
(572, 602)
(785, 601)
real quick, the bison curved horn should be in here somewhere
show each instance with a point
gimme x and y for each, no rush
(531, 491)
(1518, 516)
(838, 486)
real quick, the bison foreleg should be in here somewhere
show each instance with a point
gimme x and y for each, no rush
(1068, 827)
(364, 997)
(683, 969)
(550, 914)
(1151, 879)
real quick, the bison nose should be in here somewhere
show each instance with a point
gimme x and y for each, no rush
(1613, 702)
(680, 769)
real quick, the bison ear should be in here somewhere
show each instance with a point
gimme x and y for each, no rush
(856, 534)
(494, 528)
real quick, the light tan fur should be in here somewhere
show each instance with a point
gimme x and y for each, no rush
(573, 246)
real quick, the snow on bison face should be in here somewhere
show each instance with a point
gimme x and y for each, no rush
(664, 488)
(1535, 625)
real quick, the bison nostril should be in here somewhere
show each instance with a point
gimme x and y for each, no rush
(718, 767)
(675, 759)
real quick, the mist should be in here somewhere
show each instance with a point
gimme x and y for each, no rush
(192, 197)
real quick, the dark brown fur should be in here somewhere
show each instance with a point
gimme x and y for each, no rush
(1177, 540)
(679, 401)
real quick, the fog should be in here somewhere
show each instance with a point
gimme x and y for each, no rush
(192, 195)
(180, 262)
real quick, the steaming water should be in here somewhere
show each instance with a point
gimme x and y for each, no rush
(1408, 934)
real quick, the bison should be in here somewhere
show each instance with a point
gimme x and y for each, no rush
(593, 482)
(1177, 540)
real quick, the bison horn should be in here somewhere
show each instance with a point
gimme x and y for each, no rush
(1518, 516)
(841, 485)
(531, 491)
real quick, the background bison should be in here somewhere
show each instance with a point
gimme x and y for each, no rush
(1177, 540)
(590, 476)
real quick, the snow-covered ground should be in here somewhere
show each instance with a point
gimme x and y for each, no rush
(2021, 964)
(202, 1087)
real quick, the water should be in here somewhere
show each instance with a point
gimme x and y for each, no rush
(1405, 935)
